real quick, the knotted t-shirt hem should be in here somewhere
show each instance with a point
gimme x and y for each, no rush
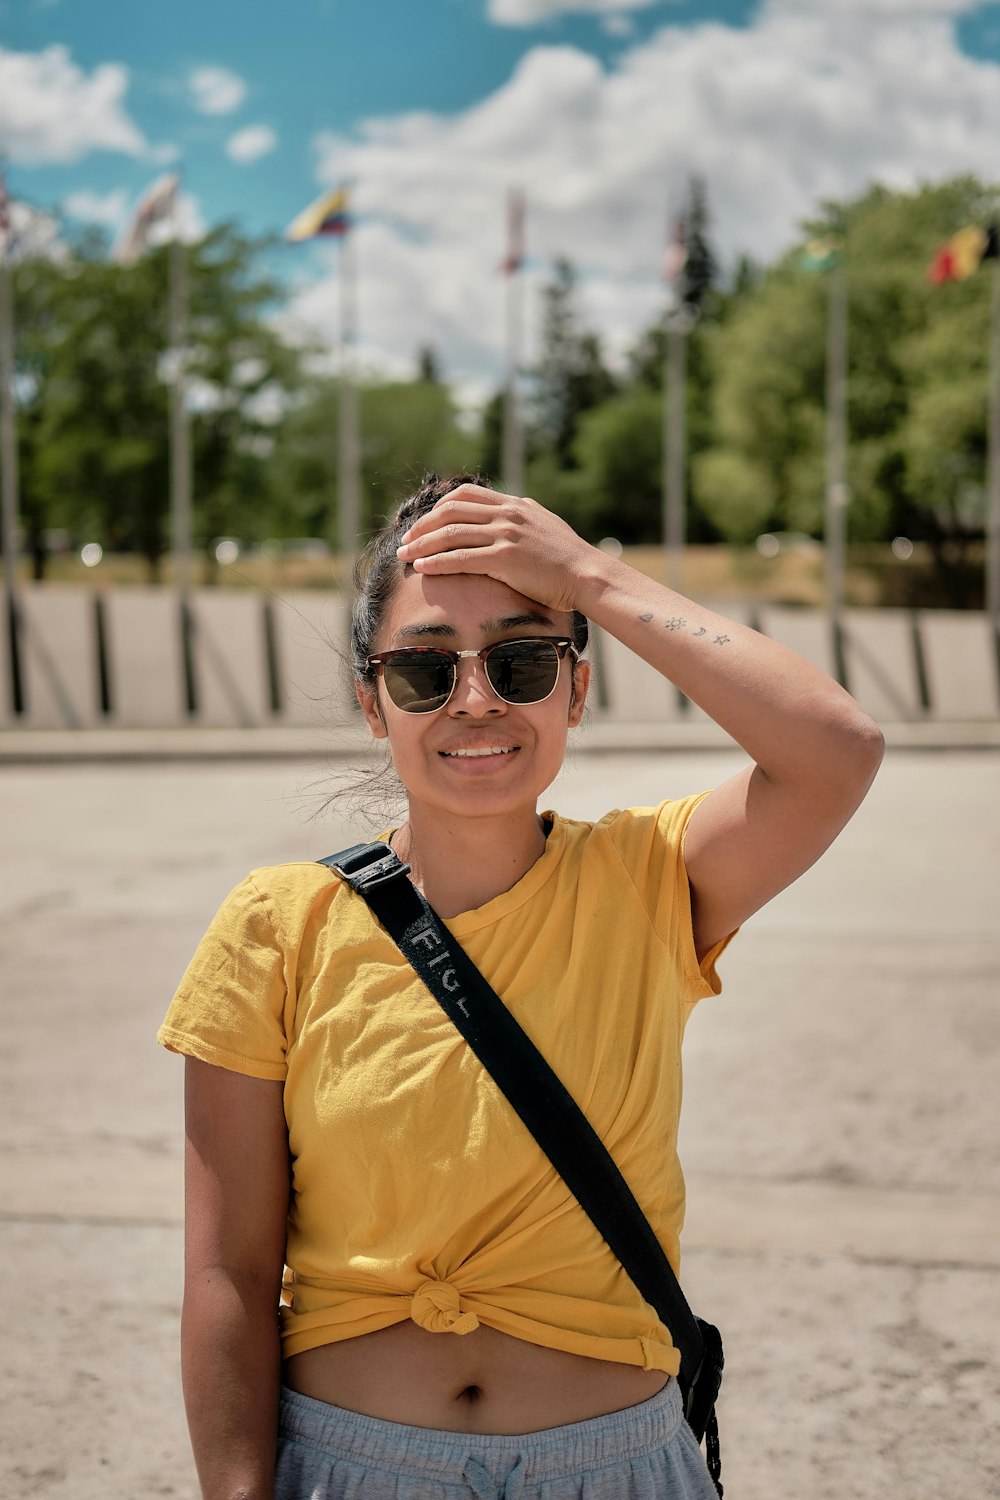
(304, 1331)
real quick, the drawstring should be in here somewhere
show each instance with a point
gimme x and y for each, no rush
(485, 1487)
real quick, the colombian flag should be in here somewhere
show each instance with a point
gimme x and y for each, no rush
(327, 215)
(963, 254)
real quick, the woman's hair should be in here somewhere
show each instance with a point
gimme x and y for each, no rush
(378, 570)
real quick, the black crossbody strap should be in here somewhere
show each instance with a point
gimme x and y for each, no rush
(557, 1123)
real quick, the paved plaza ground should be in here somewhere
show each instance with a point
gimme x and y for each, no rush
(840, 1130)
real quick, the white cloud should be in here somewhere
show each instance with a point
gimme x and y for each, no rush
(34, 235)
(216, 91)
(250, 143)
(53, 113)
(531, 12)
(107, 209)
(165, 153)
(876, 8)
(806, 103)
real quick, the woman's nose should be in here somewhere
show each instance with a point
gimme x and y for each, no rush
(473, 694)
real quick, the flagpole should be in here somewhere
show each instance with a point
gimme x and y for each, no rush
(180, 421)
(993, 464)
(8, 473)
(348, 444)
(836, 440)
(675, 327)
(513, 463)
(513, 436)
(674, 445)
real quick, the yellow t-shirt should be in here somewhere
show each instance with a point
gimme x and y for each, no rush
(417, 1192)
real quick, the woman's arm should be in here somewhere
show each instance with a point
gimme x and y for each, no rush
(815, 751)
(236, 1206)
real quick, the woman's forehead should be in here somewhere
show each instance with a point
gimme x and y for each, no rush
(467, 603)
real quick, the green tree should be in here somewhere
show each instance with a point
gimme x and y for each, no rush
(428, 365)
(571, 377)
(407, 427)
(917, 385)
(700, 266)
(646, 364)
(242, 377)
(618, 451)
(98, 463)
(491, 436)
(91, 348)
(767, 407)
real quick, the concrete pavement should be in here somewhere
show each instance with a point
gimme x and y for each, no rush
(34, 747)
(839, 1132)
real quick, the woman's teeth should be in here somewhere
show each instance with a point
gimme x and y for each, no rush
(486, 750)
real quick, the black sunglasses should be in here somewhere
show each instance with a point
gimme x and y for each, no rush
(421, 679)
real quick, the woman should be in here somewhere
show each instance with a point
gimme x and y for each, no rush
(451, 1323)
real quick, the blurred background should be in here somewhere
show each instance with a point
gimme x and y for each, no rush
(718, 282)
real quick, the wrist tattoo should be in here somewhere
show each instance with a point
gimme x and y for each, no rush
(645, 619)
(675, 624)
(720, 640)
(701, 630)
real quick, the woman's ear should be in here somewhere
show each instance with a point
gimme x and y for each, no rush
(578, 697)
(368, 699)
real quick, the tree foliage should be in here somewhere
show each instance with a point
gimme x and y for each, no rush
(700, 274)
(407, 427)
(917, 384)
(93, 402)
(571, 377)
(93, 356)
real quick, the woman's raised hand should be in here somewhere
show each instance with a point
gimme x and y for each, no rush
(508, 537)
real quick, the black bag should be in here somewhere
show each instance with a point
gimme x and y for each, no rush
(550, 1113)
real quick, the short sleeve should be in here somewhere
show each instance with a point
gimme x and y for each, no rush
(229, 1008)
(650, 841)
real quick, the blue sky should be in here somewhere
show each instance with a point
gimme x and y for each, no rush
(600, 109)
(308, 65)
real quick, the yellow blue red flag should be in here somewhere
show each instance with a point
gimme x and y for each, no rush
(327, 215)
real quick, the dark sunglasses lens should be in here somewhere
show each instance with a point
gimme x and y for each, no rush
(420, 683)
(523, 671)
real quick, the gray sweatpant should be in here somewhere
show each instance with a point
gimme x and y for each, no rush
(646, 1452)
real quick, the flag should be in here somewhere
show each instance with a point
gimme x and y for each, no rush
(675, 255)
(963, 254)
(158, 205)
(4, 216)
(514, 259)
(820, 255)
(327, 215)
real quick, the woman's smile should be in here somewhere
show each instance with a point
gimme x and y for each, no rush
(480, 758)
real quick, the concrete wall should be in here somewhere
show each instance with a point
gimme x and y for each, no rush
(135, 658)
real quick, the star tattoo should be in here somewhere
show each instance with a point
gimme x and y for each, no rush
(720, 640)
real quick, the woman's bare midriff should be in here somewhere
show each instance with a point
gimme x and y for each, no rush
(483, 1381)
